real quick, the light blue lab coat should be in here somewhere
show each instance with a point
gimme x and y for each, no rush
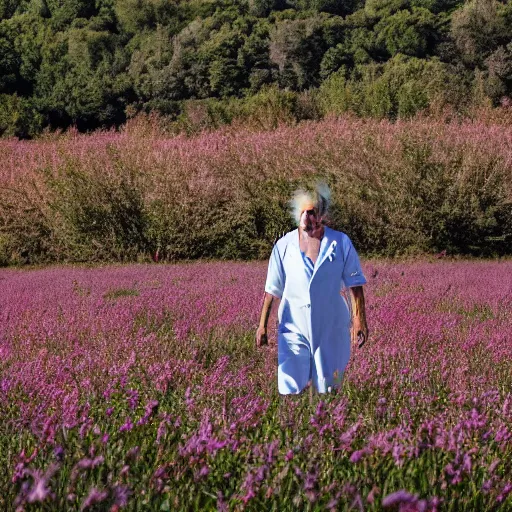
(314, 319)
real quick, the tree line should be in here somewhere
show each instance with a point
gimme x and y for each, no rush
(94, 63)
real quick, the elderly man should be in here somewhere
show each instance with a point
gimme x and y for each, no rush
(308, 269)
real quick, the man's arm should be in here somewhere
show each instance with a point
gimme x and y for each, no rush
(359, 324)
(261, 333)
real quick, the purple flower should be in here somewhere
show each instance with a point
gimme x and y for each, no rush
(312, 496)
(249, 495)
(133, 398)
(260, 473)
(39, 491)
(162, 430)
(357, 456)
(151, 406)
(466, 463)
(507, 489)
(222, 506)
(159, 472)
(128, 425)
(493, 465)
(333, 503)
(149, 410)
(90, 463)
(487, 486)
(95, 496)
(189, 401)
(58, 452)
(398, 497)
(204, 471)
(371, 495)
(121, 495)
(132, 453)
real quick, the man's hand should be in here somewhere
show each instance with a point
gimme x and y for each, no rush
(261, 333)
(261, 337)
(359, 332)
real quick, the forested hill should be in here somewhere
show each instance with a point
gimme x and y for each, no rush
(92, 63)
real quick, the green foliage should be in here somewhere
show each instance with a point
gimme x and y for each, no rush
(339, 7)
(18, 117)
(97, 214)
(457, 215)
(478, 28)
(499, 73)
(135, 15)
(271, 107)
(385, 8)
(7, 8)
(400, 88)
(411, 33)
(296, 47)
(217, 226)
(120, 292)
(90, 63)
(64, 12)
(76, 81)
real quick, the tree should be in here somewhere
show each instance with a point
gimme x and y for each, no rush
(478, 29)
(399, 88)
(498, 83)
(63, 12)
(385, 8)
(18, 117)
(135, 15)
(262, 8)
(339, 7)
(151, 52)
(410, 33)
(9, 61)
(334, 59)
(8, 8)
(80, 82)
(296, 48)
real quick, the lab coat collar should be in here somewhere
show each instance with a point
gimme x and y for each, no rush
(328, 248)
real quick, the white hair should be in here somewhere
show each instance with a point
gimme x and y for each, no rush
(303, 199)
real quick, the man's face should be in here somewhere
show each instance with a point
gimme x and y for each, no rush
(309, 220)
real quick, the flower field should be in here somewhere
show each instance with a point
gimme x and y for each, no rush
(140, 388)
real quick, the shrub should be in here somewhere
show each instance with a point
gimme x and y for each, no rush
(411, 186)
